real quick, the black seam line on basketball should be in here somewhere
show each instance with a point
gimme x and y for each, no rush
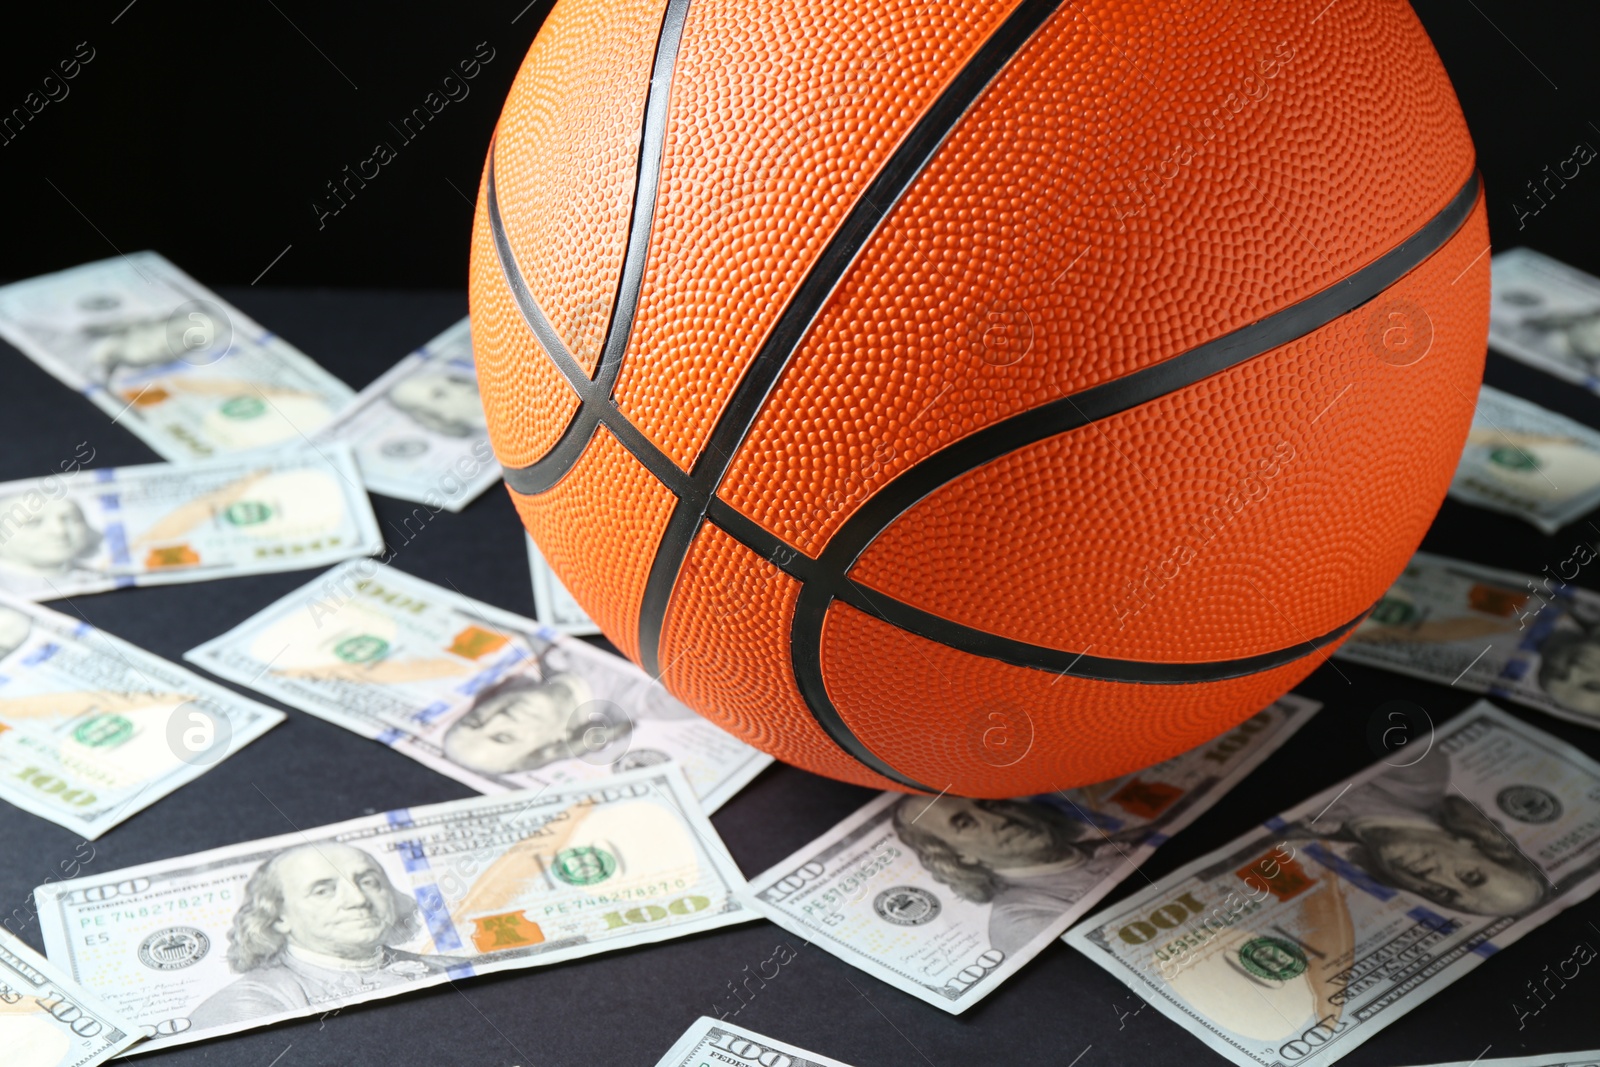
(816, 595)
(1076, 664)
(883, 192)
(595, 406)
(805, 645)
(811, 610)
(879, 511)
(826, 584)
(827, 579)
(917, 482)
(535, 317)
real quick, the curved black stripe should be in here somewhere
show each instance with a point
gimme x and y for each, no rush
(825, 578)
(880, 510)
(830, 570)
(882, 193)
(532, 313)
(1076, 664)
(543, 473)
(807, 626)
(594, 395)
(811, 572)
(806, 646)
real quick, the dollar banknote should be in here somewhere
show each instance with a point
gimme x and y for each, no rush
(1532, 640)
(190, 375)
(1547, 315)
(1553, 1059)
(1529, 462)
(316, 920)
(1303, 938)
(85, 531)
(418, 431)
(47, 1021)
(490, 698)
(710, 1042)
(946, 898)
(551, 601)
(93, 729)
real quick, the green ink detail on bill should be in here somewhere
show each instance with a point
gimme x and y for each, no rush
(104, 731)
(1392, 611)
(243, 407)
(247, 513)
(1513, 459)
(363, 648)
(1273, 957)
(584, 866)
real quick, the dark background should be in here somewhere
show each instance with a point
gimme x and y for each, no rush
(207, 132)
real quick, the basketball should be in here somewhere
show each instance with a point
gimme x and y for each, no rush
(979, 398)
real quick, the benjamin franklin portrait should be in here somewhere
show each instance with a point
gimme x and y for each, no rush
(1409, 832)
(319, 924)
(444, 402)
(1574, 334)
(1015, 856)
(1569, 670)
(539, 717)
(48, 539)
(141, 343)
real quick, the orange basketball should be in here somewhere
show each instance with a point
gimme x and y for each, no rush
(983, 397)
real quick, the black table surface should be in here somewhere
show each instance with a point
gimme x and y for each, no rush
(628, 1007)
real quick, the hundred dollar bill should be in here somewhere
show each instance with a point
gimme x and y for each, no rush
(1526, 461)
(1553, 1059)
(47, 1021)
(313, 921)
(490, 698)
(93, 729)
(709, 1041)
(551, 601)
(946, 898)
(190, 375)
(90, 530)
(1535, 641)
(418, 431)
(1546, 314)
(1303, 938)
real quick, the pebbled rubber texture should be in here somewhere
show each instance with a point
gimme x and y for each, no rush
(995, 288)
(589, 528)
(973, 715)
(566, 193)
(725, 644)
(1226, 518)
(781, 114)
(1125, 185)
(527, 402)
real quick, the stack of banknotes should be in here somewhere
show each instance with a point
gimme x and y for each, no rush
(1294, 943)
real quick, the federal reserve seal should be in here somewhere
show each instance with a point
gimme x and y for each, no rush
(584, 865)
(1272, 958)
(906, 905)
(1528, 803)
(174, 948)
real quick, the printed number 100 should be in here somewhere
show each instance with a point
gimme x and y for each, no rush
(649, 913)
